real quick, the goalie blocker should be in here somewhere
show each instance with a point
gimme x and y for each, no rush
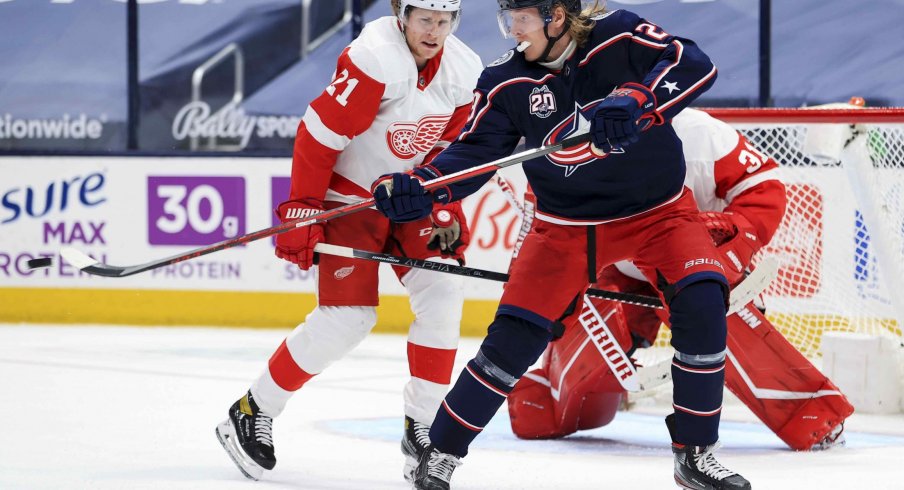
(575, 389)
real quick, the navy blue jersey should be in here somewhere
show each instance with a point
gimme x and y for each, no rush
(515, 98)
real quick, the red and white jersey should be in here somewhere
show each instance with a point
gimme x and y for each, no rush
(722, 165)
(380, 114)
(727, 173)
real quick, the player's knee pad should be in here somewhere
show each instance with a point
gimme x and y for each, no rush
(513, 344)
(329, 333)
(697, 317)
(436, 301)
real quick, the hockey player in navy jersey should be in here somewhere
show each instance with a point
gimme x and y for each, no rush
(621, 78)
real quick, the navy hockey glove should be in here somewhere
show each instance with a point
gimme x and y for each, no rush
(402, 198)
(620, 118)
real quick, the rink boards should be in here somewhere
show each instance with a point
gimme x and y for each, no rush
(127, 211)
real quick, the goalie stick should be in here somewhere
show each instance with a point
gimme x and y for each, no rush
(94, 267)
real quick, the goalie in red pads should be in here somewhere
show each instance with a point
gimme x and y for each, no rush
(585, 373)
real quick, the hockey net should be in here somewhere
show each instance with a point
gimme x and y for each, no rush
(841, 243)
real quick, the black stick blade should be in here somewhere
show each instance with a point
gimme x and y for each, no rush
(39, 263)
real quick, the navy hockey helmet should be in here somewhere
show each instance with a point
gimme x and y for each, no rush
(544, 6)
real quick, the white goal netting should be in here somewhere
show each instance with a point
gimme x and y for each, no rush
(841, 243)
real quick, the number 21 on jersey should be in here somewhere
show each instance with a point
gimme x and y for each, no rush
(350, 84)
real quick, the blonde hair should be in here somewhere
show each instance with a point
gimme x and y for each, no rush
(396, 6)
(579, 26)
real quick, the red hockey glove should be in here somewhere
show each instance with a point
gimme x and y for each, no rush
(619, 119)
(736, 239)
(297, 246)
(450, 235)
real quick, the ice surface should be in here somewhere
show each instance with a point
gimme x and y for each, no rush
(116, 408)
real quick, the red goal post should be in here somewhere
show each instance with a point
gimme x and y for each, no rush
(834, 113)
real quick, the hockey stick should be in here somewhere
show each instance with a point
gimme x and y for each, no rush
(509, 193)
(353, 253)
(92, 266)
(741, 295)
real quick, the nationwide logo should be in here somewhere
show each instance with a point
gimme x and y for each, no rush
(408, 139)
(575, 157)
(196, 121)
(66, 127)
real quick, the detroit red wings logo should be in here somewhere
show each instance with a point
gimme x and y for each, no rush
(408, 139)
(575, 157)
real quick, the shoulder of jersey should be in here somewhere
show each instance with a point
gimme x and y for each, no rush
(611, 24)
(701, 132)
(508, 66)
(462, 56)
(380, 50)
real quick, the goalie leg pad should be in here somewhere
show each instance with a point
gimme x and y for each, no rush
(575, 389)
(779, 384)
(532, 408)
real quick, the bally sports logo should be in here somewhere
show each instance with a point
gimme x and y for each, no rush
(408, 139)
(575, 157)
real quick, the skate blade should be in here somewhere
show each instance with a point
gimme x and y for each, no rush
(409, 469)
(686, 485)
(410, 463)
(227, 436)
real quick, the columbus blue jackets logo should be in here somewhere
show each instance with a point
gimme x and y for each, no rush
(542, 102)
(502, 59)
(575, 157)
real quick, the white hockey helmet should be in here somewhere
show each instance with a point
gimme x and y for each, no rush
(453, 6)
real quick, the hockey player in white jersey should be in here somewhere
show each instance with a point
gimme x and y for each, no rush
(401, 92)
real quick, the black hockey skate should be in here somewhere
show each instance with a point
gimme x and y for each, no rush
(247, 436)
(696, 467)
(434, 470)
(414, 443)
